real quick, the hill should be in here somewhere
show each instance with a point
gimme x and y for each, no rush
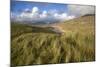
(44, 45)
(84, 24)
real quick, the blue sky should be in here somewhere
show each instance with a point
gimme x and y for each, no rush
(19, 6)
(47, 12)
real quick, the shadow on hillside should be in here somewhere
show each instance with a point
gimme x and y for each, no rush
(43, 30)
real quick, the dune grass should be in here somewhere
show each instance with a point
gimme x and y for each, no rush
(31, 47)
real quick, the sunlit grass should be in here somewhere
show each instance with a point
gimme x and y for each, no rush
(47, 47)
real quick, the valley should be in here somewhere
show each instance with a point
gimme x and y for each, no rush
(65, 42)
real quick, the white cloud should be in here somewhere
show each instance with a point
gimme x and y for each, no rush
(44, 14)
(63, 16)
(70, 17)
(29, 15)
(52, 11)
(80, 10)
(35, 15)
(24, 15)
(56, 15)
(35, 9)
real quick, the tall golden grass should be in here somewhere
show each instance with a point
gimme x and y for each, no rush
(47, 47)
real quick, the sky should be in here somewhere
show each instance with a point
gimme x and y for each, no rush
(47, 12)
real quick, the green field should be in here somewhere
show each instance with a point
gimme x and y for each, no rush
(31, 45)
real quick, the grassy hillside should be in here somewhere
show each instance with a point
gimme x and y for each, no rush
(41, 45)
(84, 24)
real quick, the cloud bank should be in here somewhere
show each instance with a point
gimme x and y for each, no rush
(35, 15)
(80, 10)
